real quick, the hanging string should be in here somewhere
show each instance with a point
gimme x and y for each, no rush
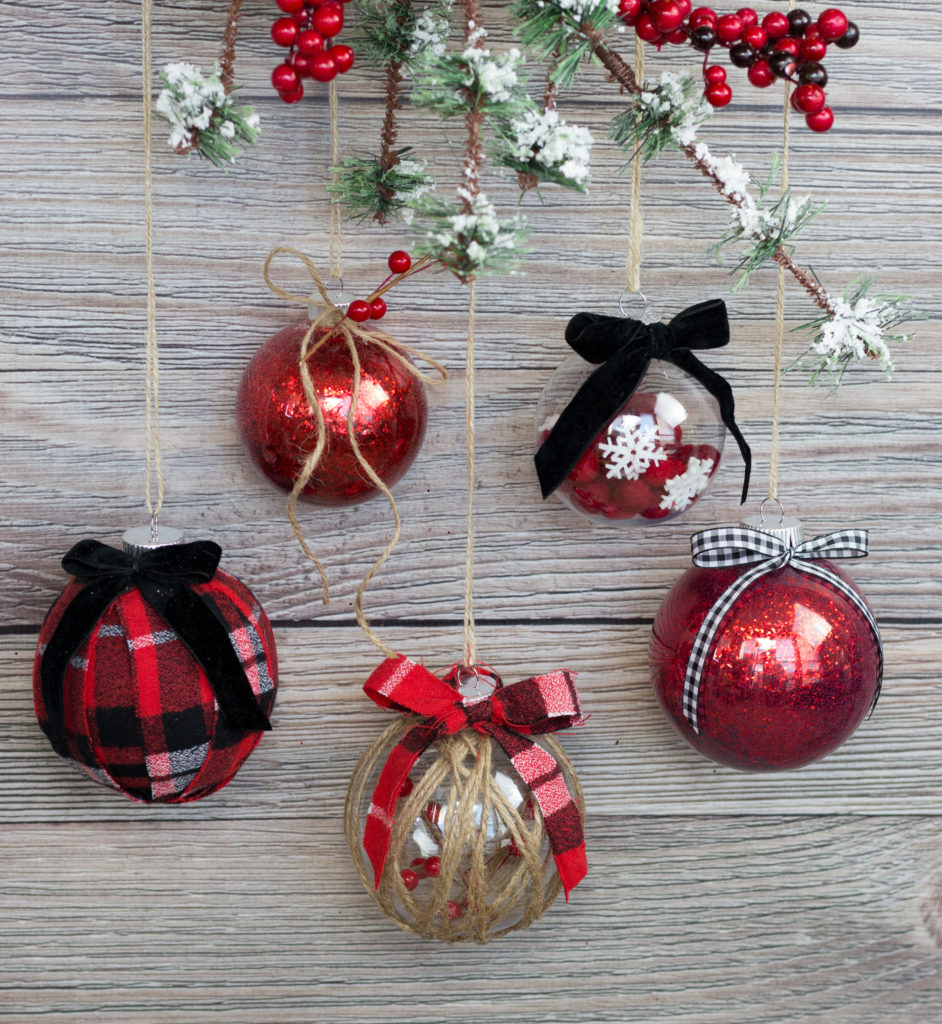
(635, 222)
(470, 640)
(780, 306)
(336, 216)
(154, 470)
(331, 323)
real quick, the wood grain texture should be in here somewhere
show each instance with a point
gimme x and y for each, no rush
(713, 897)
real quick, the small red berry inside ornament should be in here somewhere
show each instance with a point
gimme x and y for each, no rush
(279, 429)
(772, 659)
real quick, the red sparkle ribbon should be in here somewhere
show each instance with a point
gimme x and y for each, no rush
(542, 704)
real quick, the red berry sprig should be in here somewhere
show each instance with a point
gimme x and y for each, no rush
(307, 30)
(783, 45)
(373, 307)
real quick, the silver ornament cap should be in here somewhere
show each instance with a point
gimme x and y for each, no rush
(788, 529)
(145, 538)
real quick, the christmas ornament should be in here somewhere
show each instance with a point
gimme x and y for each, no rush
(279, 430)
(455, 822)
(765, 656)
(640, 436)
(155, 671)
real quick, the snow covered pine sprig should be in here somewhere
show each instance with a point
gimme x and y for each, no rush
(542, 147)
(203, 117)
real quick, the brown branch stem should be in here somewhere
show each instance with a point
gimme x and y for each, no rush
(227, 55)
(474, 147)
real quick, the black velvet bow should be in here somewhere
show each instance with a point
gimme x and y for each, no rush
(625, 347)
(165, 577)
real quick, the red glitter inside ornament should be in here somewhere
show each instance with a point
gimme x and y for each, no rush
(791, 673)
(279, 430)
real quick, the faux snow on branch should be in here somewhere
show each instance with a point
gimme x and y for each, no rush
(543, 147)
(202, 116)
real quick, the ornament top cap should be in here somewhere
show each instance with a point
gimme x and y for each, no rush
(143, 538)
(787, 529)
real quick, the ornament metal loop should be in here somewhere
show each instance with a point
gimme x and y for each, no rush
(781, 510)
(476, 682)
(334, 288)
(629, 303)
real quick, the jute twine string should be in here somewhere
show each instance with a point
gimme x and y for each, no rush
(335, 324)
(780, 306)
(636, 220)
(496, 893)
(153, 466)
(470, 636)
(336, 214)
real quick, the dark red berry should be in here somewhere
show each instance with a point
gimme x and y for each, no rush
(813, 48)
(776, 24)
(755, 36)
(323, 67)
(813, 74)
(409, 879)
(799, 22)
(343, 57)
(328, 19)
(742, 55)
(453, 910)
(760, 74)
(791, 46)
(678, 37)
(666, 15)
(849, 38)
(377, 309)
(684, 6)
(294, 96)
(703, 38)
(629, 11)
(290, 6)
(399, 261)
(809, 99)
(832, 24)
(718, 95)
(748, 17)
(358, 311)
(782, 64)
(729, 28)
(285, 78)
(310, 42)
(714, 74)
(821, 121)
(406, 788)
(586, 469)
(284, 31)
(301, 63)
(433, 867)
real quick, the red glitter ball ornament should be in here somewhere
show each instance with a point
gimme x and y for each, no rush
(790, 674)
(279, 429)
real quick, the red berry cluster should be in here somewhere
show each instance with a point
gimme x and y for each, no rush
(789, 45)
(307, 30)
(361, 310)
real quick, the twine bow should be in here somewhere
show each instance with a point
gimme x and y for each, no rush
(165, 577)
(337, 324)
(727, 547)
(625, 348)
(542, 704)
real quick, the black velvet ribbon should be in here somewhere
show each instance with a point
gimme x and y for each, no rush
(165, 577)
(624, 348)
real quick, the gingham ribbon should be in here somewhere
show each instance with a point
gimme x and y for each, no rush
(726, 547)
(539, 705)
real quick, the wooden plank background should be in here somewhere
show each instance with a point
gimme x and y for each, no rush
(713, 896)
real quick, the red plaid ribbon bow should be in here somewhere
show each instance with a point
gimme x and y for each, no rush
(543, 704)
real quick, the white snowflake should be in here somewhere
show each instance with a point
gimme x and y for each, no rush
(631, 447)
(681, 490)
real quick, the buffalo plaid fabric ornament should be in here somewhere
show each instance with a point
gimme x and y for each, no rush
(155, 671)
(466, 823)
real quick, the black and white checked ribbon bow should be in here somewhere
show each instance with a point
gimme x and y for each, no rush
(729, 546)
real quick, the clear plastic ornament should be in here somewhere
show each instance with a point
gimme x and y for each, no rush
(469, 858)
(655, 457)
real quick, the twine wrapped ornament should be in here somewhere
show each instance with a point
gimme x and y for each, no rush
(461, 827)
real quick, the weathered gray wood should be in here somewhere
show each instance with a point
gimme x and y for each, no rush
(713, 897)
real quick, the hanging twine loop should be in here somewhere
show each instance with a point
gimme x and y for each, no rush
(153, 467)
(332, 322)
(636, 220)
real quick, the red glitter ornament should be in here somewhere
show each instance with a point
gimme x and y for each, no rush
(790, 673)
(279, 430)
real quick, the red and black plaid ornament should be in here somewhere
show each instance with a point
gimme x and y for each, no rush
(155, 672)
